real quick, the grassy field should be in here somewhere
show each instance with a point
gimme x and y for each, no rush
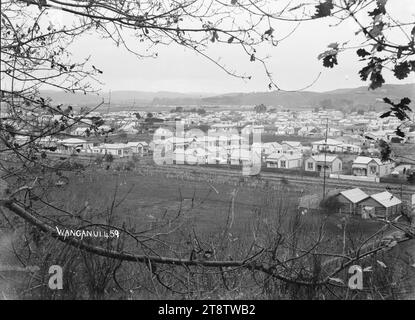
(203, 210)
(202, 206)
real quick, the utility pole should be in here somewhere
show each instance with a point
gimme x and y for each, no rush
(109, 101)
(325, 159)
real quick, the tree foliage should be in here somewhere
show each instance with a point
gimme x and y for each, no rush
(260, 108)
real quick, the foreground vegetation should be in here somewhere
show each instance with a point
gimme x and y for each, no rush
(198, 221)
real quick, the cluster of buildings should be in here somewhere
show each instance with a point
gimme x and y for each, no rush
(216, 148)
(82, 146)
(356, 202)
(321, 157)
(349, 128)
(226, 148)
(326, 135)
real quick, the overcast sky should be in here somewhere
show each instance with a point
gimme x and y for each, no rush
(293, 62)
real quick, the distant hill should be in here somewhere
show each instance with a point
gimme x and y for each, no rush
(117, 97)
(340, 99)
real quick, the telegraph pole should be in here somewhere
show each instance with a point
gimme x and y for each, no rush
(109, 101)
(325, 159)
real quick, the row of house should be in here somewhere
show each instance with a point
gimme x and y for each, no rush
(314, 163)
(220, 156)
(121, 150)
(76, 145)
(331, 164)
(234, 149)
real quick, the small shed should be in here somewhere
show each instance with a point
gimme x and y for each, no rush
(349, 200)
(383, 204)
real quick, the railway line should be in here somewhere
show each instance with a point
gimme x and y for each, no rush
(146, 163)
(405, 190)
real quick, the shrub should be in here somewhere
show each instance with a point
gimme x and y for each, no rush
(108, 157)
(330, 204)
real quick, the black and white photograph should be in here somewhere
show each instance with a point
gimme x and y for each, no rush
(208, 157)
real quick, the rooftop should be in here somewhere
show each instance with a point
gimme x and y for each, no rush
(320, 158)
(354, 195)
(329, 142)
(72, 141)
(386, 199)
(278, 156)
(366, 160)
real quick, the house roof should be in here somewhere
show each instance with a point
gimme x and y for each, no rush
(354, 195)
(82, 129)
(136, 143)
(366, 160)
(350, 145)
(386, 199)
(271, 144)
(329, 142)
(114, 146)
(294, 144)
(244, 154)
(72, 141)
(278, 156)
(320, 158)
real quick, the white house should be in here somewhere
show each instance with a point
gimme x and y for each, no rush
(347, 147)
(285, 161)
(116, 149)
(316, 163)
(81, 131)
(268, 148)
(73, 144)
(292, 147)
(371, 167)
(138, 147)
(331, 145)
